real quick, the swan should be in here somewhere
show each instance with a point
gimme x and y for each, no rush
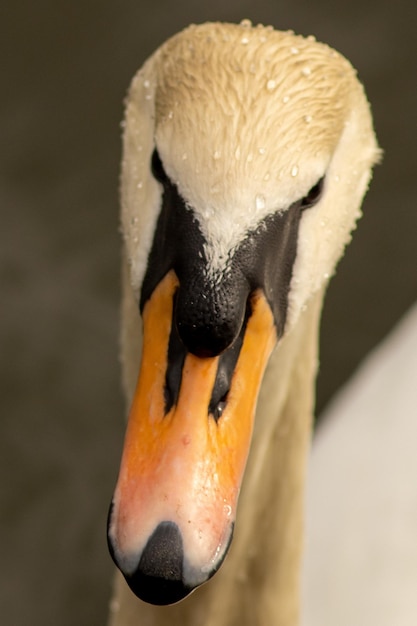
(247, 152)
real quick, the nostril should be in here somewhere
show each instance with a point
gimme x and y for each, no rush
(175, 364)
(225, 371)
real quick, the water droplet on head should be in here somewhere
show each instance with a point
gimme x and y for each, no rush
(262, 150)
(286, 99)
(217, 154)
(294, 170)
(294, 50)
(308, 118)
(271, 84)
(146, 84)
(306, 71)
(246, 23)
(139, 185)
(244, 40)
(259, 202)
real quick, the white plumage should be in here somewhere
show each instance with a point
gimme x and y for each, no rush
(361, 557)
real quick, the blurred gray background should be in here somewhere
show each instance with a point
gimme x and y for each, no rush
(65, 67)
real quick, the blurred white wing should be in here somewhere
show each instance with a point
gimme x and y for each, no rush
(361, 557)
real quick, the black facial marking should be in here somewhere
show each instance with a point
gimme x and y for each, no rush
(210, 313)
(177, 235)
(313, 195)
(210, 310)
(157, 168)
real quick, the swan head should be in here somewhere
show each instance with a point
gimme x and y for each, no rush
(247, 152)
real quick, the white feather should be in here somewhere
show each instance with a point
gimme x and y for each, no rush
(361, 557)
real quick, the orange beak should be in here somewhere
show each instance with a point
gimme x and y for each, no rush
(184, 467)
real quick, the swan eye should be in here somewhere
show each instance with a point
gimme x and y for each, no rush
(157, 168)
(313, 195)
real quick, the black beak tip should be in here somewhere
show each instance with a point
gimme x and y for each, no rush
(159, 578)
(155, 590)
